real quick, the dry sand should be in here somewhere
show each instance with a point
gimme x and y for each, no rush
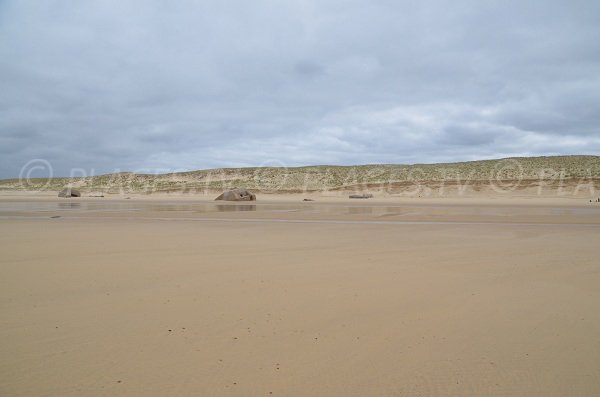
(165, 297)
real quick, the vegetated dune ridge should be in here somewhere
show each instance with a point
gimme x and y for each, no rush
(578, 175)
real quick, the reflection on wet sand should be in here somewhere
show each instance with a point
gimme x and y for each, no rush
(67, 206)
(273, 211)
(235, 207)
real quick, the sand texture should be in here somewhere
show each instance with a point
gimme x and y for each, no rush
(157, 297)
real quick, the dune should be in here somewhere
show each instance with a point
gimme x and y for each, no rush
(577, 176)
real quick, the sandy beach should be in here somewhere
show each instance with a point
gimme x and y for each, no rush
(166, 296)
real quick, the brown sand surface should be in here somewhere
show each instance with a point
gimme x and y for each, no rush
(167, 297)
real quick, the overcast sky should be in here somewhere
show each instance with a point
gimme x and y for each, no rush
(159, 85)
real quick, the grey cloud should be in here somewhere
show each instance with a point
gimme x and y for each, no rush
(308, 68)
(468, 135)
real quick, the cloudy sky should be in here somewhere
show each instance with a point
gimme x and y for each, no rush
(159, 85)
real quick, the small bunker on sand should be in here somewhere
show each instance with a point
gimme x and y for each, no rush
(69, 192)
(237, 195)
(361, 196)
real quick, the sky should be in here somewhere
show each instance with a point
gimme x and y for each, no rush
(91, 87)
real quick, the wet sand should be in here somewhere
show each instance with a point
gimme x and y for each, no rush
(155, 297)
